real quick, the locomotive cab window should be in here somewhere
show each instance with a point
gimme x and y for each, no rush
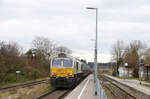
(67, 63)
(56, 63)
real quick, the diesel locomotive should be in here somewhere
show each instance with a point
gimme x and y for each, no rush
(66, 71)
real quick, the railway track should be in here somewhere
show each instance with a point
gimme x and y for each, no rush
(116, 91)
(58, 93)
(23, 85)
(55, 94)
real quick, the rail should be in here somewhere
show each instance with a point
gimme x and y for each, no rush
(58, 93)
(116, 91)
(54, 94)
(23, 85)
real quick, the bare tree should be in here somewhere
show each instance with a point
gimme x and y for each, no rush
(44, 46)
(117, 54)
(147, 56)
(43, 49)
(63, 49)
(133, 54)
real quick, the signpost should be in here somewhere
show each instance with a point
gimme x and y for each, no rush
(141, 72)
(125, 64)
(17, 74)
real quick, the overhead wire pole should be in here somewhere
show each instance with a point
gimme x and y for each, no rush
(95, 50)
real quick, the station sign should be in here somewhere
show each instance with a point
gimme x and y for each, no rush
(140, 64)
(17, 72)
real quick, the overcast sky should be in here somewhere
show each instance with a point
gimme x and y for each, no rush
(70, 24)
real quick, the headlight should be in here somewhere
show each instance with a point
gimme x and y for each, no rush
(70, 74)
(54, 74)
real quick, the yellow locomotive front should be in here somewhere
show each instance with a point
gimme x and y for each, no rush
(62, 72)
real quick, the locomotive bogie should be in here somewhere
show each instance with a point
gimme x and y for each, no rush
(65, 82)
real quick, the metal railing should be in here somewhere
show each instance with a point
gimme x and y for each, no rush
(100, 91)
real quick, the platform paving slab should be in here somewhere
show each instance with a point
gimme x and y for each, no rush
(85, 90)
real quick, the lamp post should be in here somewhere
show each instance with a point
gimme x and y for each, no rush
(95, 50)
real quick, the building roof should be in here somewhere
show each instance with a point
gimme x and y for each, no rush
(147, 65)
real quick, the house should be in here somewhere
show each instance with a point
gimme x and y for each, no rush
(144, 72)
(125, 71)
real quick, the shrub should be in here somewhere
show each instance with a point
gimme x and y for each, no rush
(36, 74)
(11, 77)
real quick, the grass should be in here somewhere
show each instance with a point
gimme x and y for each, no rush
(146, 85)
(27, 92)
(133, 78)
(130, 78)
(20, 82)
(110, 74)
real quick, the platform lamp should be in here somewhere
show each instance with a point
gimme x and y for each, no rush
(95, 50)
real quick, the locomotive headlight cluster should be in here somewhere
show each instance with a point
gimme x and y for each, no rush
(53, 74)
(69, 74)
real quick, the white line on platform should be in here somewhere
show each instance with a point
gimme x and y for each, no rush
(83, 89)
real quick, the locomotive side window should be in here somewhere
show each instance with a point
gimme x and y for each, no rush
(67, 63)
(77, 65)
(81, 67)
(56, 63)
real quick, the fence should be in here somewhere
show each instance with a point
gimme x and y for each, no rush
(100, 91)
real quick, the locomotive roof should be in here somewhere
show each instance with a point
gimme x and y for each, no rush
(64, 55)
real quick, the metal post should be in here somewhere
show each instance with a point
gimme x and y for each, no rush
(95, 50)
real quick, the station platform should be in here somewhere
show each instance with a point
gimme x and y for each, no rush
(137, 89)
(85, 90)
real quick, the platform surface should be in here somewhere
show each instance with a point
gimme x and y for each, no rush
(85, 90)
